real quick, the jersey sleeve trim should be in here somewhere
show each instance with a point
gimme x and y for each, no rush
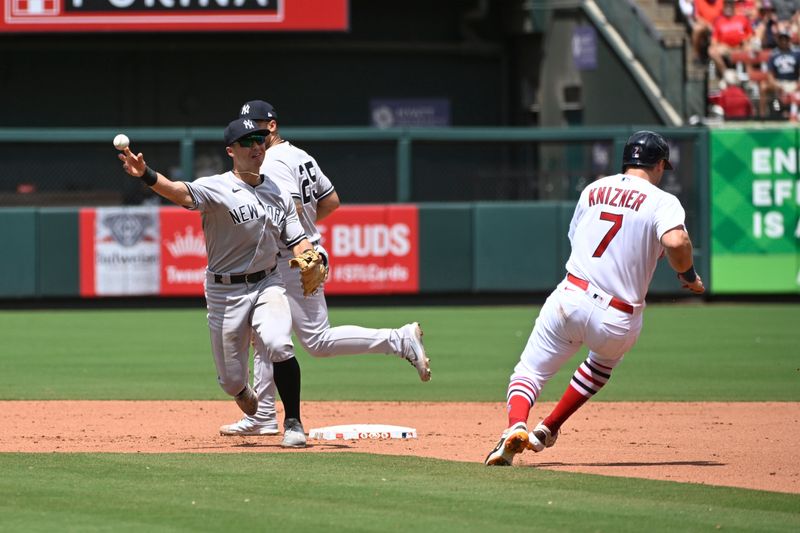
(194, 198)
(679, 227)
(296, 241)
(326, 193)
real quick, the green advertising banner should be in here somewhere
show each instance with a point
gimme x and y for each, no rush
(755, 193)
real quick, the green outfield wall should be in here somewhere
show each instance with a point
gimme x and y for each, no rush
(472, 248)
(740, 187)
(18, 241)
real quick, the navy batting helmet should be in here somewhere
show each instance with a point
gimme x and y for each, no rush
(645, 149)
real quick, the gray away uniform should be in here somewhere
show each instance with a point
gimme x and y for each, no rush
(244, 228)
(306, 183)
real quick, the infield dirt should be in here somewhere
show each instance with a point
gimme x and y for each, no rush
(748, 445)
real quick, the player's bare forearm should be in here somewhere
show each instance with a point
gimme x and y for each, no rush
(135, 165)
(678, 249)
(327, 205)
(175, 191)
(679, 252)
(301, 247)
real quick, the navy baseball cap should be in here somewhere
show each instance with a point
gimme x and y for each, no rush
(258, 110)
(242, 127)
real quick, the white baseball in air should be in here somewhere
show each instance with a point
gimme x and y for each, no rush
(121, 141)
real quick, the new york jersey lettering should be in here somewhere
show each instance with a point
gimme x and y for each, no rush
(246, 213)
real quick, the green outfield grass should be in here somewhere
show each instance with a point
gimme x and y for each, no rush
(357, 492)
(686, 353)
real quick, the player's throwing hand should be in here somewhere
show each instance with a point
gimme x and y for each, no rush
(132, 164)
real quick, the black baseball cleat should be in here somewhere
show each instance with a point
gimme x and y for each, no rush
(541, 437)
(513, 441)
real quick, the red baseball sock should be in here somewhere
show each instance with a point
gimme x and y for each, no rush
(522, 392)
(518, 409)
(589, 378)
(570, 402)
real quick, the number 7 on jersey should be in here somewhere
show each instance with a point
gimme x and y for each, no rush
(616, 220)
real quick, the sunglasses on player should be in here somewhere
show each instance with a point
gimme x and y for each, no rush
(248, 141)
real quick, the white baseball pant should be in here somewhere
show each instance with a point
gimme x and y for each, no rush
(570, 318)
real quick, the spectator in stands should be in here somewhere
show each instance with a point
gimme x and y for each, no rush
(701, 22)
(747, 8)
(734, 101)
(731, 32)
(765, 27)
(783, 72)
(787, 10)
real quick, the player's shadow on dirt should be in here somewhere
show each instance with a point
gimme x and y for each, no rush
(636, 463)
(278, 446)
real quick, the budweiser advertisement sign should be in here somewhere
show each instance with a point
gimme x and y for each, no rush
(140, 251)
(183, 252)
(373, 249)
(119, 251)
(173, 15)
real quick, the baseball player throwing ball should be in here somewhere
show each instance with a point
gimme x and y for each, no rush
(315, 198)
(621, 226)
(246, 218)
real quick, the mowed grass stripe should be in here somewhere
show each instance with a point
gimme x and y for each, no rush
(717, 352)
(356, 492)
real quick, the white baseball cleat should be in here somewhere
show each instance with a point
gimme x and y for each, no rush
(414, 350)
(247, 427)
(293, 434)
(514, 440)
(247, 400)
(541, 437)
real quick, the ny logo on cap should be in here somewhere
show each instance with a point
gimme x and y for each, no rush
(245, 109)
(249, 124)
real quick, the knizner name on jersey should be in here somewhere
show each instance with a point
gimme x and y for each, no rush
(616, 197)
(248, 212)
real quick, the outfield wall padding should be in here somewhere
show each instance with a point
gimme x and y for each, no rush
(57, 256)
(18, 273)
(470, 248)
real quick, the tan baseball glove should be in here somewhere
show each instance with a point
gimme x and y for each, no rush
(313, 270)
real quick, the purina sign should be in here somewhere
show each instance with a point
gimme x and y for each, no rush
(173, 15)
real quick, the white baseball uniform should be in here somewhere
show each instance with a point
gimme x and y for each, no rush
(615, 234)
(244, 228)
(304, 180)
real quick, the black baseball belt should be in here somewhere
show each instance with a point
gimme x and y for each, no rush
(252, 277)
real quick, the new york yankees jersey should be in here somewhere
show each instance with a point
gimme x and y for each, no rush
(245, 226)
(616, 234)
(305, 182)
